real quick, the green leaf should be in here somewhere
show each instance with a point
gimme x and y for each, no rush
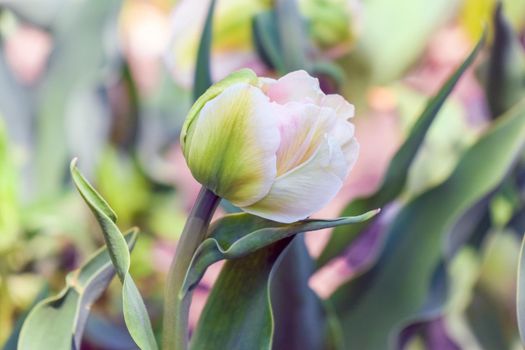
(292, 35)
(506, 67)
(135, 313)
(395, 289)
(12, 341)
(300, 318)
(238, 313)
(397, 173)
(266, 40)
(520, 293)
(485, 321)
(237, 235)
(58, 322)
(202, 80)
(432, 309)
(490, 319)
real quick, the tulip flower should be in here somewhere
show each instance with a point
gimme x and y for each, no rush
(280, 149)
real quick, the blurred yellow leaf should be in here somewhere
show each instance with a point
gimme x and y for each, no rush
(476, 14)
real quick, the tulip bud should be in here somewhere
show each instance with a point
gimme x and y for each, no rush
(279, 149)
(333, 23)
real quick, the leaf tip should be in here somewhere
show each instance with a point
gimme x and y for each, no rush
(73, 163)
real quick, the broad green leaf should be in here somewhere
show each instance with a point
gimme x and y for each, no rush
(486, 322)
(238, 313)
(506, 67)
(237, 235)
(202, 80)
(58, 322)
(397, 173)
(300, 318)
(433, 307)
(12, 341)
(135, 313)
(266, 40)
(396, 288)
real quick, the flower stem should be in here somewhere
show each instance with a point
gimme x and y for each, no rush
(176, 306)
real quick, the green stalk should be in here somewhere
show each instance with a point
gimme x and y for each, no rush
(176, 306)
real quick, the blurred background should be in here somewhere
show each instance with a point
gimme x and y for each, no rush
(110, 82)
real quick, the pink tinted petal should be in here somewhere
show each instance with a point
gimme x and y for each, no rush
(306, 189)
(342, 108)
(295, 86)
(343, 133)
(302, 128)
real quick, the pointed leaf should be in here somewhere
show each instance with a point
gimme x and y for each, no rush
(202, 80)
(135, 313)
(506, 67)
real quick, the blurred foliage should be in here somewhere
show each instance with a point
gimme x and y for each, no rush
(111, 81)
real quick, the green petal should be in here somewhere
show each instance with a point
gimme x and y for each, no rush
(241, 76)
(231, 147)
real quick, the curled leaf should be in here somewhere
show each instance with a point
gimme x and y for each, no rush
(135, 313)
(238, 235)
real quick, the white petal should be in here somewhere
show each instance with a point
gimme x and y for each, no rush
(351, 153)
(302, 127)
(343, 134)
(343, 108)
(303, 191)
(296, 86)
(232, 144)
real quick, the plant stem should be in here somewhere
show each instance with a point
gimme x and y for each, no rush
(176, 306)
